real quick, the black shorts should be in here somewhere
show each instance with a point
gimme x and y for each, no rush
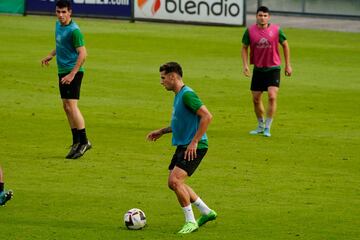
(262, 80)
(188, 166)
(72, 90)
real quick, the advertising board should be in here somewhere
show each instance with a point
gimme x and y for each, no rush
(227, 12)
(101, 8)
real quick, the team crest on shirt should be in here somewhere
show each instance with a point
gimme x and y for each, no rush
(263, 43)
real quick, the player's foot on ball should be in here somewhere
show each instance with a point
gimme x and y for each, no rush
(189, 227)
(81, 150)
(258, 130)
(5, 196)
(206, 218)
(267, 132)
(72, 151)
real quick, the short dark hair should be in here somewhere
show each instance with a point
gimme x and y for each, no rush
(263, 9)
(171, 67)
(63, 4)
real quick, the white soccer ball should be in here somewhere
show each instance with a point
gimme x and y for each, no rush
(135, 219)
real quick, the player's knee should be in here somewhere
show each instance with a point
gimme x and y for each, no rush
(256, 100)
(68, 107)
(272, 98)
(173, 183)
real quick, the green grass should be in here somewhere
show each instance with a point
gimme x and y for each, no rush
(302, 183)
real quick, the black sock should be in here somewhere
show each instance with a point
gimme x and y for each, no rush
(1, 186)
(75, 135)
(82, 135)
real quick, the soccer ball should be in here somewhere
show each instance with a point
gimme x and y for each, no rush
(135, 219)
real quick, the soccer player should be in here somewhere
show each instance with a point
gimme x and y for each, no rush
(190, 120)
(4, 195)
(263, 39)
(70, 54)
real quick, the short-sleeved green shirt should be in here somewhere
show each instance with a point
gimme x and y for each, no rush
(78, 38)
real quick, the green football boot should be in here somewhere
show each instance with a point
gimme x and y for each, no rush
(189, 227)
(206, 218)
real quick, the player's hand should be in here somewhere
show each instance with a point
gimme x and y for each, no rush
(154, 135)
(45, 61)
(67, 79)
(190, 152)
(288, 71)
(246, 71)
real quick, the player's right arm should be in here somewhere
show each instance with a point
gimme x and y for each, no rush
(245, 53)
(245, 60)
(45, 61)
(156, 134)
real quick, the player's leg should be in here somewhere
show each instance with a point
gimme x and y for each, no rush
(272, 105)
(259, 111)
(76, 123)
(70, 95)
(273, 88)
(258, 104)
(257, 88)
(272, 97)
(73, 114)
(176, 182)
(74, 130)
(180, 170)
(76, 120)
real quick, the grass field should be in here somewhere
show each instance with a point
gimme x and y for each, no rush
(302, 183)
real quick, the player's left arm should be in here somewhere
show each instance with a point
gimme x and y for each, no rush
(286, 48)
(79, 62)
(245, 53)
(79, 44)
(205, 119)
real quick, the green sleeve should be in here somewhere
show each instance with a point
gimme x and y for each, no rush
(78, 38)
(246, 38)
(192, 101)
(282, 36)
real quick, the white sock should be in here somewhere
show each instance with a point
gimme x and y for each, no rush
(268, 123)
(203, 208)
(261, 122)
(189, 214)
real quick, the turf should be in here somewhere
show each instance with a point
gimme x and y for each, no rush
(302, 183)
